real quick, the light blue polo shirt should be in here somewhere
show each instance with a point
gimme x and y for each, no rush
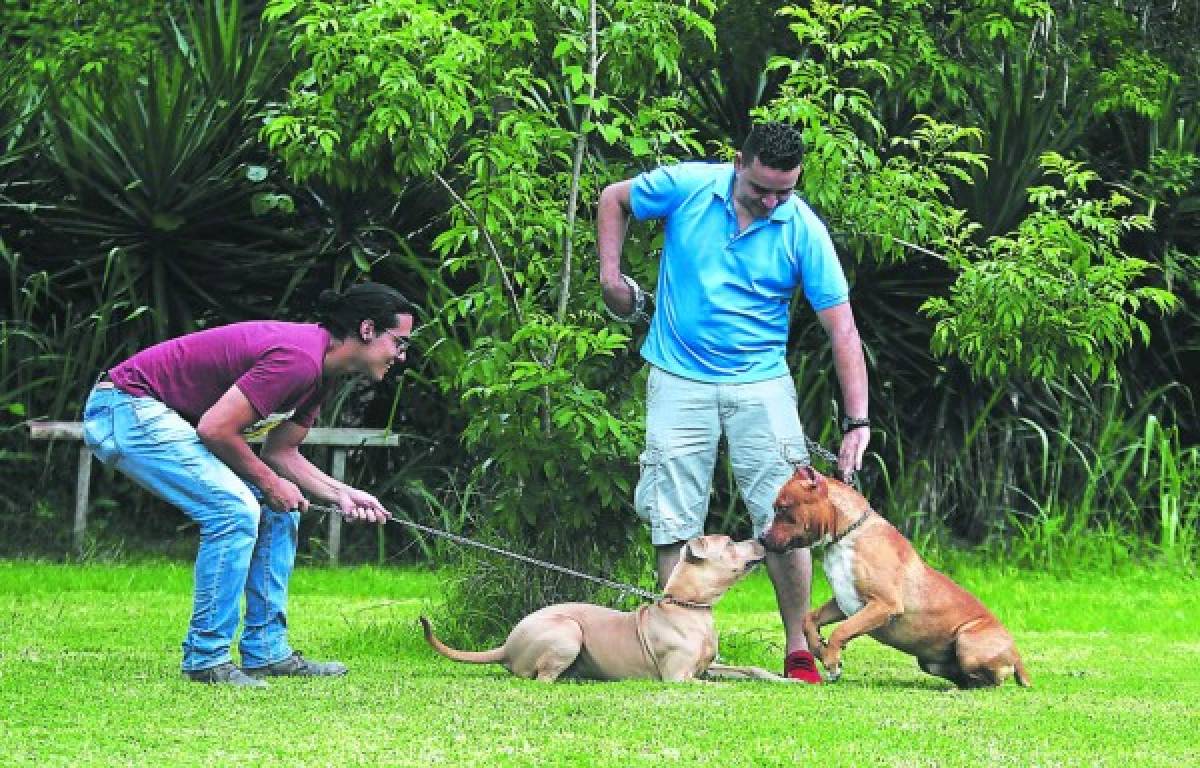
(722, 300)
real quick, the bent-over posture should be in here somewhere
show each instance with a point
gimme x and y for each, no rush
(175, 417)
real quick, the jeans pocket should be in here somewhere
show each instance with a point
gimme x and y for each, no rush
(147, 410)
(98, 432)
(645, 496)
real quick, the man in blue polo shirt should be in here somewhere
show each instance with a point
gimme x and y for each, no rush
(738, 244)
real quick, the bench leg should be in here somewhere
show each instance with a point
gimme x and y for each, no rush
(338, 470)
(83, 481)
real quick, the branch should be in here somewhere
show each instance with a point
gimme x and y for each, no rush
(576, 172)
(905, 243)
(491, 246)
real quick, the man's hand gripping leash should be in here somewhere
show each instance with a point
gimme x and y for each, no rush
(641, 303)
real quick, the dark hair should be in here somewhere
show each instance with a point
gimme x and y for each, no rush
(341, 313)
(776, 145)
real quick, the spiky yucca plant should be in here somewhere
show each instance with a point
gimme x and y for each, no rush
(163, 173)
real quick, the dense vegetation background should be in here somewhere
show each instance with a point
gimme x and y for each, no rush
(1014, 186)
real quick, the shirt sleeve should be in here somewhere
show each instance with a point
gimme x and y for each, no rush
(821, 273)
(656, 194)
(306, 415)
(280, 380)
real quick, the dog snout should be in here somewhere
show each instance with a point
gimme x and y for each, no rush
(751, 552)
(769, 544)
(757, 548)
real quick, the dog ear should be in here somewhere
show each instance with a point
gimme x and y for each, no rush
(808, 475)
(695, 550)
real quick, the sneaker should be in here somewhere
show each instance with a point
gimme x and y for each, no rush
(225, 673)
(298, 666)
(801, 665)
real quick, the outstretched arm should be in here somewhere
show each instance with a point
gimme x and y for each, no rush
(851, 368)
(282, 452)
(220, 429)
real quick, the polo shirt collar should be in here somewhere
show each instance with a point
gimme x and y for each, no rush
(785, 210)
(724, 186)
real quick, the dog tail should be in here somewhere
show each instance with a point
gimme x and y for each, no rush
(494, 656)
(1021, 675)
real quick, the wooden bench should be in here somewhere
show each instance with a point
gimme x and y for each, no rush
(341, 439)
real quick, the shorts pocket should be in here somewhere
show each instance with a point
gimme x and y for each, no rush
(645, 496)
(654, 383)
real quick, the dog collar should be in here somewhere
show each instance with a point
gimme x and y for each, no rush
(685, 603)
(852, 528)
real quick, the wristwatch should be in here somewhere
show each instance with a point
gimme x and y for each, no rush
(849, 423)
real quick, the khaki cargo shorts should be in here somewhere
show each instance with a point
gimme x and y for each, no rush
(685, 420)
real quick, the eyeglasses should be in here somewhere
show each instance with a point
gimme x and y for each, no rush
(402, 342)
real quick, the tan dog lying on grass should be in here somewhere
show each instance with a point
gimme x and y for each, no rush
(674, 639)
(883, 588)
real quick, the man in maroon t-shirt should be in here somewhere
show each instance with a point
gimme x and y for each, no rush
(176, 417)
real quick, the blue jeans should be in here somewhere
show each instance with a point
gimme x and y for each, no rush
(685, 420)
(245, 547)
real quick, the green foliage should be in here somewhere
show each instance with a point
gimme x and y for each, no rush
(1108, 480)
(883, 192)
(161, 173)
(538, 374)
(381, 89)
(925, 73)
(20, 104)
(1021, 121)
(1137, 83)
(1058, 295)
(96, 41)
(457, 151)
(504, 382)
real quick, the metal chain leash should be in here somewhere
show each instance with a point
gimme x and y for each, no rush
(821, 451)
(620, 587)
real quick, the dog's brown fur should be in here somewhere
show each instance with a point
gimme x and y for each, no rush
(672, 640)
(883, 588)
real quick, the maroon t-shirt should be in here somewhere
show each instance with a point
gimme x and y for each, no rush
(276, 365)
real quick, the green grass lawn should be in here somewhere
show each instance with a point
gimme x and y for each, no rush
(89, 676)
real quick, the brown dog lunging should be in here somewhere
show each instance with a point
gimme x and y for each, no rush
(883, 588)
(674, 639)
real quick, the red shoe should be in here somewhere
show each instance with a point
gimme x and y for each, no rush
(801, 665)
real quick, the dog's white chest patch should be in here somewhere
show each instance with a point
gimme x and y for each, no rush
(839, 569)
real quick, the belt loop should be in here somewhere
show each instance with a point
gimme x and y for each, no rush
(103, 381)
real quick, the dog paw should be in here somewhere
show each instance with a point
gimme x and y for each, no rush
(820, 651)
